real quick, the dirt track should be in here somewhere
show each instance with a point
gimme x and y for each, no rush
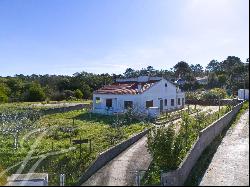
(230, 164)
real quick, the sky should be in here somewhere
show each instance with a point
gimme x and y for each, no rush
(107, 36)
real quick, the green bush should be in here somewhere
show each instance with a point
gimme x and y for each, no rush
(3, 97)
(35, 93)
(78, 94)
(160, 144)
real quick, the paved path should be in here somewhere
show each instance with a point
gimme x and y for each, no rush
(230, 164)
(119, 171)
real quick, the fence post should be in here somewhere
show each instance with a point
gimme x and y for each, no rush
(62, 179)
(219, 109)
(52, 146)
(80, 148)
(161, 182)
(137, 178)
(90, 146)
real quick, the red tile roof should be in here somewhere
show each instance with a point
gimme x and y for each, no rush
(125, 88)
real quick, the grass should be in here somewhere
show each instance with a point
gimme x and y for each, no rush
(21, 105)
(202, 164)
(99, 128)
(152, 176)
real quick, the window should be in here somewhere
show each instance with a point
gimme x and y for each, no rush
(166, 102)
(97, 99)
(179, 101)
(182, 101)
(172, 102)
(149, 104)
(128, 104)
(166, 85)
(108, 103)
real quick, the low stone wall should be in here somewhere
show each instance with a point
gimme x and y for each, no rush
(213, 102)
(108, 155)
(64, 109)
(206, 136)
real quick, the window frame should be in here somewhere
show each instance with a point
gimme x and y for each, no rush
(151, 103)
(166, 102)
(172, 102)
(126, 105)
(179, 101)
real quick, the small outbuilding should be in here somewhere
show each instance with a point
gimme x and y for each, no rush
(243, 94)
(29, 179)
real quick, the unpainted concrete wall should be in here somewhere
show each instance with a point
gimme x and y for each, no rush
(108, 155)
(206, 136)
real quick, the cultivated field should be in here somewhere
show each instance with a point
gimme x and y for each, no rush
(32, 142)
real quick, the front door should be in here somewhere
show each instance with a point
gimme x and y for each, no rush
(161, 105)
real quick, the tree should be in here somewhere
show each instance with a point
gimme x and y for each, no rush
(4, 92)
(182, 69)
(214, 66)
(86, 90)
(150, 70)
(230, 63)
(35, 93)
(68, 94)
(222, 80)
(212, 80)
(197, 70)
(233, 68)
(78, 94)
(129, 73)
(160, 145)
(3, 97)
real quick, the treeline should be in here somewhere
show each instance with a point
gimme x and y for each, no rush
(230, 74)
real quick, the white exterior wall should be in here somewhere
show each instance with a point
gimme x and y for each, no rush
(241, 94)
(157, 92)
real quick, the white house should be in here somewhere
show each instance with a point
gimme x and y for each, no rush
(150, 95)
(202, 80)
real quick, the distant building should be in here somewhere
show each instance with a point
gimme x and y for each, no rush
(202, 80)
(150, 95)
(180, 82)
(29, 179)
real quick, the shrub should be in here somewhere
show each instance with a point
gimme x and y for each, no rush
(35, 93)
(78, 94)
(160, 145)
(3, 97)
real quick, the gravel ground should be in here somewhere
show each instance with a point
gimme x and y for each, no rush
(120, 171)
(230, 164)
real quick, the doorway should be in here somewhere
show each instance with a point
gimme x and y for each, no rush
(161, 105)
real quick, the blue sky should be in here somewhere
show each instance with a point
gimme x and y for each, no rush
(108, 36)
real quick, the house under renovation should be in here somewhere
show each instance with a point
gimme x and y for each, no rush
(144, 94)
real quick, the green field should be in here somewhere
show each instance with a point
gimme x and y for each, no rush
(52, 134)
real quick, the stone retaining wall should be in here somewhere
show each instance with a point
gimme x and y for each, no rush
(213, 102)
(64, 109)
